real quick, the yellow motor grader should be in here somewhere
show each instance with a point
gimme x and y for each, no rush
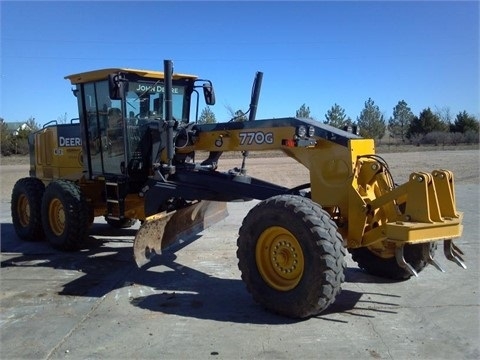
(131, 157)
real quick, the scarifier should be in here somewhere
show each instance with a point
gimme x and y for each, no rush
(131, 157)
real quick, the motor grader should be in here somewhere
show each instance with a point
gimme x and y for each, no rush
(131, 156)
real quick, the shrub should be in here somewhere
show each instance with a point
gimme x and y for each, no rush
(416, 139)
(471, 137)
(456, 138)
(14, 146)
(435, 138)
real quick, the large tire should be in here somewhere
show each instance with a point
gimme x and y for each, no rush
(26, 207)
(65, 215)
(388, 268)
(120, 224)
(291, 256)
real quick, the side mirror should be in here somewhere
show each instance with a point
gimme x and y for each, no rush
(208, 93)
(117, 86)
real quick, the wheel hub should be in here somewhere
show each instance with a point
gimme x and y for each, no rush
(284, 257)
(23, 210)
(279, 258)
(56, 217)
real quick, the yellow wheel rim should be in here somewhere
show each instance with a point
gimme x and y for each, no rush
(23, 210)
(279, 258)
(56, 216)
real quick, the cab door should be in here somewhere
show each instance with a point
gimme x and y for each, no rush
(104, 130)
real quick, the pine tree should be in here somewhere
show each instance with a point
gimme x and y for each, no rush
(399, 123)
(336, 117)
(464, 122)
(303, 112)
(207, 116)
(371, 121)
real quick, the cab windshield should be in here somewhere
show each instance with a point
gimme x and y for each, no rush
(144, 100)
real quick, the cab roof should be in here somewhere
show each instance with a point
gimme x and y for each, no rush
(102, 74)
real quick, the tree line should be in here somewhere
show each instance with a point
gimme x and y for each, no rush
(429, 127)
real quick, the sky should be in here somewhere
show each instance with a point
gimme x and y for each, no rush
(315, 53)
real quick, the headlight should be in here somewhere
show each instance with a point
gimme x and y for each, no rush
(311, 131)
(301, 131)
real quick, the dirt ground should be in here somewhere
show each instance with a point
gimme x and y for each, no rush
(287, 172)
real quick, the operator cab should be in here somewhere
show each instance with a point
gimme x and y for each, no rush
(122, 112)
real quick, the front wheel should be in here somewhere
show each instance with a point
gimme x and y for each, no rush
(66, 217)
(26, 208)
(291, 256)
(376, 263)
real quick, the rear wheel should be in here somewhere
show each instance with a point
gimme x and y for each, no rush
(375, 262)
(291, 256)
(65, 215)
(26, 208)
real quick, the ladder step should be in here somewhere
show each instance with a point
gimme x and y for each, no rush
(115, 193)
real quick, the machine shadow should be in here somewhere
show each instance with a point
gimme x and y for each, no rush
(356, 275)
(106, 265)
(99, 265)
(184, 291)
